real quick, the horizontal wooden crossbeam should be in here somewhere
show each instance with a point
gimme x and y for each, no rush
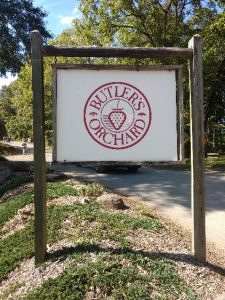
(136, 52)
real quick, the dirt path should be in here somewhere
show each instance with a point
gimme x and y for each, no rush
(28, 156)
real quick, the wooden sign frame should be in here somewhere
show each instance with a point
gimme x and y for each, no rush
(178, 69)
(194, 55)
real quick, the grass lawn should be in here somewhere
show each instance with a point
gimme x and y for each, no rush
(104, 260)
(211, 163)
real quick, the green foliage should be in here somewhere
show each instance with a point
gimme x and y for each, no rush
(54, 190)
(9, 209)
(125, 276)
(115, 273)
(16, 106)
(90, 224)
(146, 23)
(215, 163)
(211, 163)
(17, 19)
(214, 74)
(57, 189)
(14, 249)
(91, 190)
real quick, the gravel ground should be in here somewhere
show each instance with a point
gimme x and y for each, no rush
(208, 280)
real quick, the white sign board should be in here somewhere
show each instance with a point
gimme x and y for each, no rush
(115, 115)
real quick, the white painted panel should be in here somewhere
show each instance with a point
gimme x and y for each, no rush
(116, 115)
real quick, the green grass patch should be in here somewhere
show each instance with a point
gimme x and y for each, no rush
(211, 163)
(91, 190)
(15, 248)
(114, 276)
(54, 190)
(215, 163)
(96, 269)
(9, 208)
(90, 224)
(59, 189)
(110, 226)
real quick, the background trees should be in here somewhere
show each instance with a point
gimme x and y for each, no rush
(17, 19)
(151, 23)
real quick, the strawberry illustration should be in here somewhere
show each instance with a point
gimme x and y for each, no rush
(117, 117)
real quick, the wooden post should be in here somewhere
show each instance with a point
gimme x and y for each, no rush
(181, 112)
(39, 148)
(197, 149)
(54, 114)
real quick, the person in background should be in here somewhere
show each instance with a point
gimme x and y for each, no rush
(24, 147)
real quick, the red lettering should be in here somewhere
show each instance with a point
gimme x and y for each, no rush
(117, 138)
(116, 92)
(138, 106)
(135, 131)
(95, 124)
(95, 104)
(125, 92)
(108, 90)
(101, 100)
(100, 132)
(128, 137)
(133, 97)
(109, 142)
(139, 124)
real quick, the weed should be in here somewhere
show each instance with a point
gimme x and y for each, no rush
(59, 189)
(91, 190)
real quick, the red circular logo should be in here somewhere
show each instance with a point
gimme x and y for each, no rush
(117, 115)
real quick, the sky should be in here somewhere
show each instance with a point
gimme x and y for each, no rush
(60, 16)
(60, 13)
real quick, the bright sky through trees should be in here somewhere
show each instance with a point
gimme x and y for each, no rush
(60, 16)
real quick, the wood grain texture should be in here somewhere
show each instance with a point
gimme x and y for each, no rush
(117, 67)
(135, 52)
(54, 114)
(180, 91)
(39, 148)
(197, 150)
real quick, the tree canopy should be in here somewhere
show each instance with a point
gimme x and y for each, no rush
(154, 23)
(17, 19)
(146, 23)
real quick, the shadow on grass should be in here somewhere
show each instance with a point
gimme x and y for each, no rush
(186, 258)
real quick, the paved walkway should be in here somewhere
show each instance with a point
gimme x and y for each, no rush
(166, 190)
(169, 192)
(28, 156)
